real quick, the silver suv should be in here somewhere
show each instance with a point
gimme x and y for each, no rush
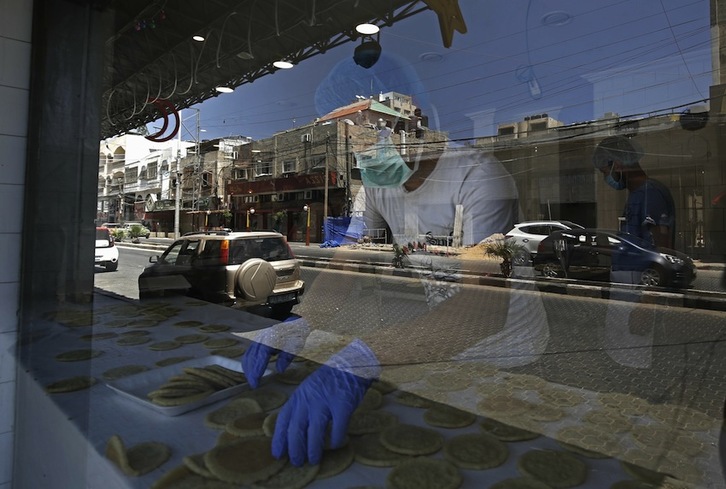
(529, 234)
(246, 270)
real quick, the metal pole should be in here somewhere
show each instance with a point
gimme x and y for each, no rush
(307, 226)
(177, 184)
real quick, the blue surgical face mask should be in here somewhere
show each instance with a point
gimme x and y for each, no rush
(616, 184)
(382, 166)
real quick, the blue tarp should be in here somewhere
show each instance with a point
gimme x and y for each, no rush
(341, 230)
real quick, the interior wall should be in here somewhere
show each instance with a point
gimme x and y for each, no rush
(15, 47)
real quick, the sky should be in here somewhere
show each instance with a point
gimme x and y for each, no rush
(574, 60)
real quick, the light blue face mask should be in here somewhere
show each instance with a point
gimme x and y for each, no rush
(616, 184)
(382, 166)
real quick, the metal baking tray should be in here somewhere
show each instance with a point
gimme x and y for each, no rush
(136, 387)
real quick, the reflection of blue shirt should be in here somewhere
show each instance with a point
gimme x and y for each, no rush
(651, 202)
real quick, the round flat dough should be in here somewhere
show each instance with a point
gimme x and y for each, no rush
(557, 469)
(139, 459)
(234, 352)
(424, 473)
(444, 416)
(191, 338)
(336, 461)
(247, 425)
(371, 400)
(383, 387)
(267, 397)
(135, 332)
(164, 345)
(196, 464)
(78, 355)
(98, 336)
(188, 324)
(506, 432)
(476, 451)
(214, 328)
(71, 384)
(290, 477)
(237, 408)
(364, 422)
(245, 461)
(370, 451)
(413, 400)
(408, 439)
(182, 477)
(132, 340)
(268, 425)
(220, 343)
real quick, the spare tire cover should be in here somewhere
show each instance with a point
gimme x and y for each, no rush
(256, 279)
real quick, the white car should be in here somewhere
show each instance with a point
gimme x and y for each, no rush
(106, 250)
(528, 235)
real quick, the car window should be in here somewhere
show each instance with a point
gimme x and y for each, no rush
(209, 256)
(270, 249)
(180, 253)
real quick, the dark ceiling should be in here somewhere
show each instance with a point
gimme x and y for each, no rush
(152, 55)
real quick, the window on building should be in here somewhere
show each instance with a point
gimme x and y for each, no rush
(263, 168)
(152, 170)
(289, 166)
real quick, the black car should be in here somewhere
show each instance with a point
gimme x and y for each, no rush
(612, 256)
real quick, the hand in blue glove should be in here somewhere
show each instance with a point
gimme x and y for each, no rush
(331, 393)
(286, 339)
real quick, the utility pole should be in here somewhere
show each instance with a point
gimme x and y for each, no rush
(177, 181)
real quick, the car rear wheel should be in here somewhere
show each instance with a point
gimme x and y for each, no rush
(552, 270)
(652, 276)
(255, 280)
(282, 311)
(111, 266)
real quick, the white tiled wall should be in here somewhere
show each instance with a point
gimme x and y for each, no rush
(15, 30)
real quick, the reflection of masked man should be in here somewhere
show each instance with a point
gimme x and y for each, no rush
(650, 211)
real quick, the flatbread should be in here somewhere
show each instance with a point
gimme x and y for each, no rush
(135, 332)
(171, 361)
(164, 345)
(180, 400)
(245, 461)
(234, 352)
(336, 461)
(364, 422)
(498, 406)
(370, 451)
(371, 400)
(383, 387)
(408, 439)
(124, 371)
(132, 340)
(477, 451)
(267, 397)
(413, 400)
(116, 323)
(78, 355)
(143, 323)
(139, 459)
(214, 328)
(268, 425)
(247, 425)
(196, 464)
(191, 338)
(216, 380)
(220, 343)
(506, 432)
(445, 416)
(520, 483)
(234, 409)
(557, 469)
(424, 473)
(182, 477)
(188, 324)
(70, 384)
(290, 477)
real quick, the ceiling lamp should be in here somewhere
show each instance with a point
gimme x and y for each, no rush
(223, 89)
(283, 64)
(367, 29)
(198, 38)
(367, 53)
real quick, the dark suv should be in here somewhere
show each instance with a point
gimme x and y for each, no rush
(233, 268)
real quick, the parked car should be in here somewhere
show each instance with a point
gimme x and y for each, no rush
(128, 227)
(593, 254)
(106, 250)
(529, 234)
(249, 270)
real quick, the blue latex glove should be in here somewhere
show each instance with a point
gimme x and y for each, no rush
(331, 393)
(286, 339)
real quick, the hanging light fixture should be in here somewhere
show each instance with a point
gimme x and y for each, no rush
(368, 52)
(224, 89)
(198, 38)
(367, 29)
(283, 64)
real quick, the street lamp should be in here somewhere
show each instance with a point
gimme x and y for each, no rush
(251, 210)
(306, 208)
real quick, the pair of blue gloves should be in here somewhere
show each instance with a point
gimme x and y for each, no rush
(330, 394)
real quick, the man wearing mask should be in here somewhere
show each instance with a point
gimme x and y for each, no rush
(649, 211)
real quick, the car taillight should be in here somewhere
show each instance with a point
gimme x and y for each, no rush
(224, 252)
